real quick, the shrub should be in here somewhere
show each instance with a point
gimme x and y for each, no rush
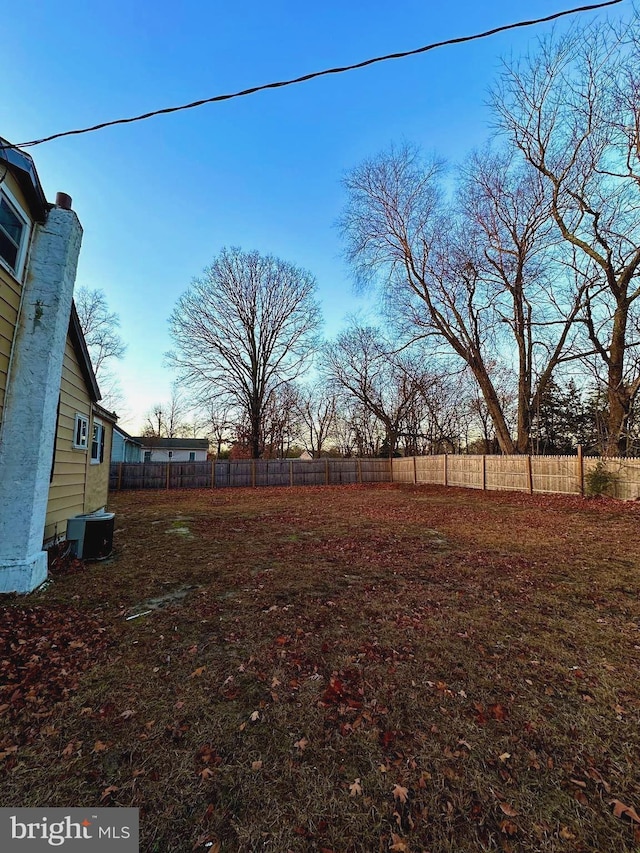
(600, 481)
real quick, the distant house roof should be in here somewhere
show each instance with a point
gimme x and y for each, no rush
(173, 443)
(23, 170)
(128, 437)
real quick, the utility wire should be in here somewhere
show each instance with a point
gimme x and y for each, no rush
(303, 79)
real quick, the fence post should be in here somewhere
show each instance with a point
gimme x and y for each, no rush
(580, 471)
(445, 470)
(291, 472)
(253, 473)
(484, 472)
(168, 463)
(120, 477)
(415, 472)
(326, 472)
(213, 473)
(529, 475)
(359, 471)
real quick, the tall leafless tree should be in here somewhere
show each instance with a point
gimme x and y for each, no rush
(245, 327)
(361, 365)
(470, 274)
(99, 327)
(571, 108)
(317, 417)
(100, 330)
(280, 424)
(168, 419)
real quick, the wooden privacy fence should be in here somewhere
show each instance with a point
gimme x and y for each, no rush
(533, 474)
(247, 472)
(564, 475)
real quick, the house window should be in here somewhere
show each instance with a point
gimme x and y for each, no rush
(81, 432)
(171, 454)
(147, 456)
(97, 443)
(14, 231)
(192, 456)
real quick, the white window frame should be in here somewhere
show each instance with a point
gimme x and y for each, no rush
(19, 211)
(81, 436)
(97, 440)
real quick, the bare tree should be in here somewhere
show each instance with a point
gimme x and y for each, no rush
(99, 327)
(571, 108)
(280, 424)
(167, 420)
(467, 275)
(317, 414)
(358, 431)
(219, 426)
(244, 328)
(361, 365)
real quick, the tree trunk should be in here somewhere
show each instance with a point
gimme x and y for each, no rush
(618, 395)
(494, 409)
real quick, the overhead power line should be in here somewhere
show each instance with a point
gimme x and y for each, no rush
(305, 77)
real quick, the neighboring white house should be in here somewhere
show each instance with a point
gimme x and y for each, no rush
(173, 449)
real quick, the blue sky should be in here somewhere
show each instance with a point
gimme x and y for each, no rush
(158, 199)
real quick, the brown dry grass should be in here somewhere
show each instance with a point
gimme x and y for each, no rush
(355, 669)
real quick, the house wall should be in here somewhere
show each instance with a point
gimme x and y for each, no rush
(67, 489)
(97, 484)
(10, 293)
(118, 447)
(162, 455)
(123, 450)
(132, 453)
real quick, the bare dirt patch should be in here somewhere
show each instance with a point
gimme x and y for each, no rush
(351, 669)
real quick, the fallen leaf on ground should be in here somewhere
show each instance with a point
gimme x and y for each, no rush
(108, 791)
(355, 789)
(620, 811)
(399, 844)
(508, 827)
(508, 810)
(400, 793)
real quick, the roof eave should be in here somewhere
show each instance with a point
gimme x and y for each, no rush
(24, 171)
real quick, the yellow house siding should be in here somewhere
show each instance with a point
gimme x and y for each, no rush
(10, 294)
(98, 475)
(67, 489)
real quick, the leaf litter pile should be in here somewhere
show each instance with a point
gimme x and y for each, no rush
(366, 668)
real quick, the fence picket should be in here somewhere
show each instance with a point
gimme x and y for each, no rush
(533, 474)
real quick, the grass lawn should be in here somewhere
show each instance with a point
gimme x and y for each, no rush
(339, 669)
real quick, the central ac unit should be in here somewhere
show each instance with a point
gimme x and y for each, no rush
(91, 535)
